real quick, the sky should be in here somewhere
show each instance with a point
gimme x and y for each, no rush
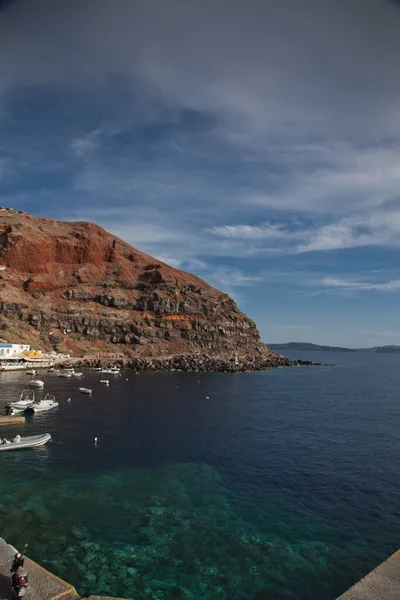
(255, 143)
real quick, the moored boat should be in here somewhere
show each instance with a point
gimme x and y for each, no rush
(19, 442)
(36, 383)
(31, 372)
(75, 374)
(85, 390)
(106, 381)
(26, 399)
(47, 403)
(65, 374)
(114, 369)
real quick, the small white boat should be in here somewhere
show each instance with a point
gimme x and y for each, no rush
(36, 383)
(85, 390)
(113, 369)
(31, 372)
(47, 403)
(96, 369)
(74, 374)
(106, 381)
(66, 374)
(26, 399)
(32, 441)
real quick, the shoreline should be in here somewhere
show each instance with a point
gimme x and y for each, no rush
(184, 362)
(190, 363)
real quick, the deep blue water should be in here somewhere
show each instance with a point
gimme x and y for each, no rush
(279, 485)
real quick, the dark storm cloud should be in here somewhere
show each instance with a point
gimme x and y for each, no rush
(315, 65)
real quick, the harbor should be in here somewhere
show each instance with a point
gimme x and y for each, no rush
(20, 357)
(119, 503)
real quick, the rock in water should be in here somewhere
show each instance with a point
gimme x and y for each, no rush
(75, 287)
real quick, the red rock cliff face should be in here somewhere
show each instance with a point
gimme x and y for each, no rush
(74, 285)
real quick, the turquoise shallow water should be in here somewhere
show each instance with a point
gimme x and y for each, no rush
(280, 485)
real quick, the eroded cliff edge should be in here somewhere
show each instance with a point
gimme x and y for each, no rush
(75, 287)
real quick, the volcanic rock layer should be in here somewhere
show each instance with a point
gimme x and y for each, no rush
(75, 287)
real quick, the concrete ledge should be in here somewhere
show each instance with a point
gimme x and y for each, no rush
(12, 420)
(43, 585)
(383, 583)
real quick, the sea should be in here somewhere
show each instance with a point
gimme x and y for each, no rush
(283, 484)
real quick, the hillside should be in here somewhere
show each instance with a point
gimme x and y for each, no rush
(386, 349)
(308, 346)
(75, 287)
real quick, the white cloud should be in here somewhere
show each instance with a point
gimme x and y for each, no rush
(362, 286)
(234, 277)
(85, 146)
(371, 228)
(269, 231)
(335, 179)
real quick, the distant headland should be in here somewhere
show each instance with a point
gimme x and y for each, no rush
(304, 346)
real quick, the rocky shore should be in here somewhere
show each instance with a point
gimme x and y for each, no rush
(198, 363)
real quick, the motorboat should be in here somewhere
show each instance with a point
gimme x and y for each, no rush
(36, 383)
(31, 372)
(85, 390)
(26, 399)
(75, 374)
(33, 441)
(106, 381)
(96, 368)
(114, 369)
(48, 402)
(66, 374)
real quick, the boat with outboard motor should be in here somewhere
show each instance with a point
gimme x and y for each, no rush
(26, 399)
(85, 390)
(47, 403)
(18, 443)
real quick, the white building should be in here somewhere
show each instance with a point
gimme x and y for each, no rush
(7, 350)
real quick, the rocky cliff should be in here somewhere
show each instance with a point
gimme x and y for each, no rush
(75, 287)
